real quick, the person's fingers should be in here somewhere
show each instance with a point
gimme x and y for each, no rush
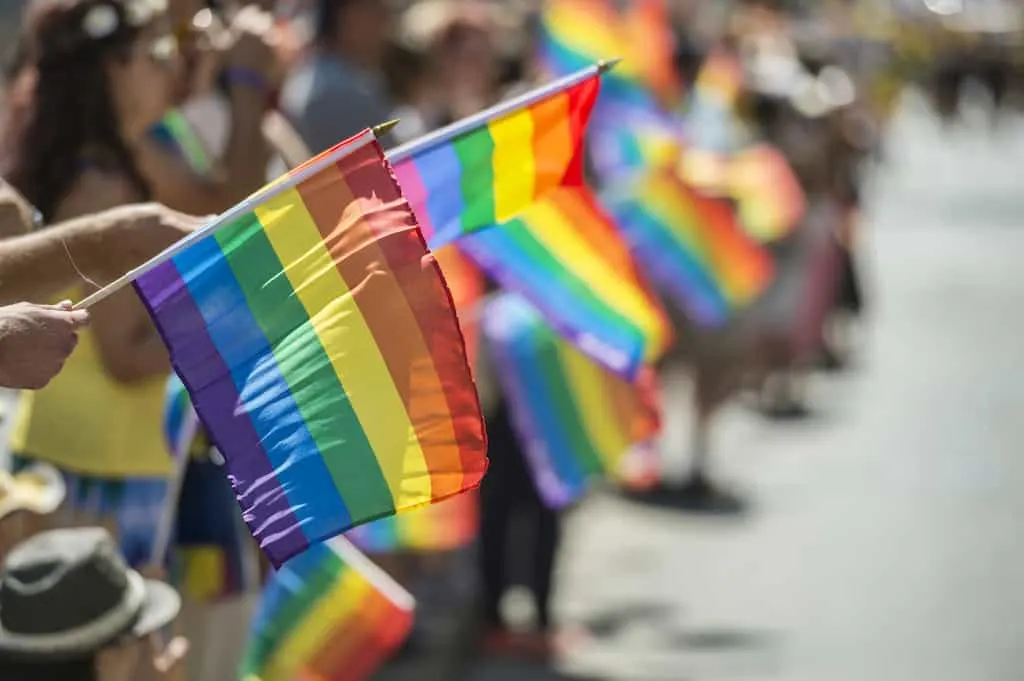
(171, 655)
(152, 571)
(67, 312)
(70, 346)
(79, 318)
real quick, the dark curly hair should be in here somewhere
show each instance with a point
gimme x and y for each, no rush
(71, 118)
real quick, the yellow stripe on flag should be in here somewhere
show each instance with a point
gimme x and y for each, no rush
(344, 334)
(513, 163)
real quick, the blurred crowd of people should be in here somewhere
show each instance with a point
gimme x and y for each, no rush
(96, 183)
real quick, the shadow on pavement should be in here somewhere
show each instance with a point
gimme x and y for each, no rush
(514, 670)
(717, 503)
(723, 640)
(610, 624)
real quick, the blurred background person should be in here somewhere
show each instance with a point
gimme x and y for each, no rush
(225, 85)
(99, 422)
(117, 71)
(204, 30)
(465, 58)
(338, 89)
(115, 63)
(412, 90)
(19, 83)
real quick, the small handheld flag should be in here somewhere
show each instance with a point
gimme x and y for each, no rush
(576, 420)
(485, 169)
(327, 614)
(566, 257)
(317, 339)
(444, 526)
(693, 246)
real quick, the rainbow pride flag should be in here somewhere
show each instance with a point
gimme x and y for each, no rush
(211, 555)
(713, 126)
(577, 33)
(769, 197)
(720, 80)
(631, 126)
(564, 255)
(327, 614)
(444, 526)
(490, 173)
(647, 25)
(725, 160)
(180, 423)
(209, 562)
(317, 340)
(575, 419)
(626, 140)
(692, 245)
(466, 282)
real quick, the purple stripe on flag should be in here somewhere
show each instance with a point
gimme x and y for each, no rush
(185, 333)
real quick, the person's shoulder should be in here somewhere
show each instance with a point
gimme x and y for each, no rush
(97, 189)
(319, 81)
(299, 81)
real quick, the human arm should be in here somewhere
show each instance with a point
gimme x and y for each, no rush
(128, 344)
(126, 340)
(251, 74)
(326, 110)
(101, 246)
(285, 140)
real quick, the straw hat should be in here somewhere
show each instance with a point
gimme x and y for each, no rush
(38, 488)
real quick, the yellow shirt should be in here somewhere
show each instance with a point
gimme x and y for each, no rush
(86, 422)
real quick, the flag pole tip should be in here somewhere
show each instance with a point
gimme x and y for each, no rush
(385, 128)
(606, 65)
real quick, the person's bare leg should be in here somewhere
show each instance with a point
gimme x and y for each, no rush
(770, 393)
(712, 388)
(796, 390)
(700, 437)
